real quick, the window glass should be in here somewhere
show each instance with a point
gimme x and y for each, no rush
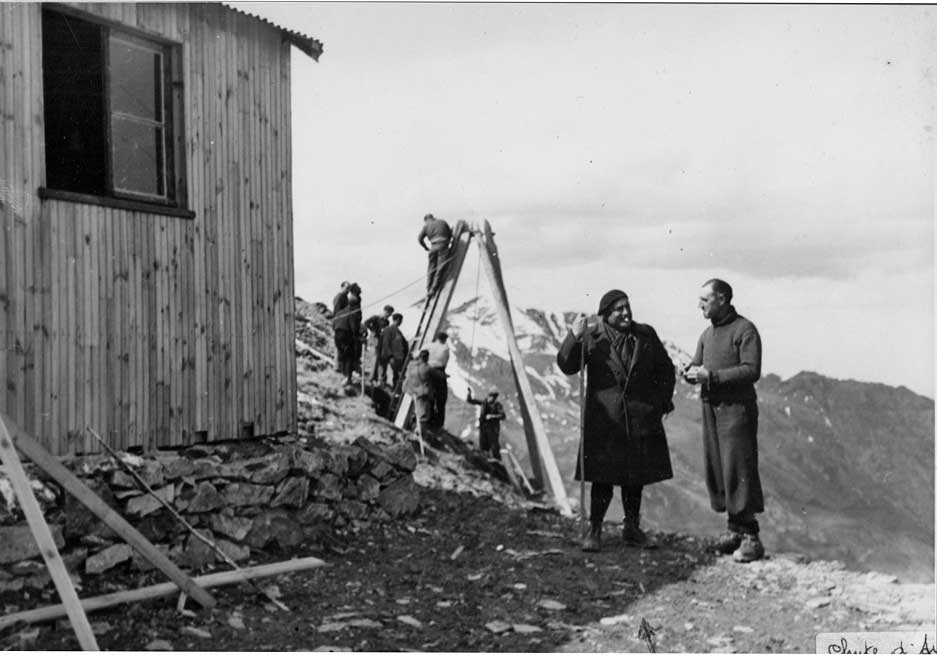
(137, 156)
(135, 79)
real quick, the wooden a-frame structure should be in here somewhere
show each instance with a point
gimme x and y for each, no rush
(542, 462)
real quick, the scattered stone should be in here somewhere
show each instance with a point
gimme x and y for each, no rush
(206, 499)
(159, 644)
(236, 622)
(123, 480)
(400, 497)
(498, 627)
(409, 620)
(239, 494)
(101, 627)
(27, 567)
(205, 468)
(352, 509)
(196, 632)
(526, 629)
(17, 542)
(332, 649)
(334, 626)
(27, 637)
(236, 552)
(818, 602)
(175, 468)
(272, 470)
(310, 462)
(108, 558)
(197, 554)
(292, 493)
(365, 623)
(159, 526)
(403, 457)
(152, 473)
(141, 563)
(235, 527)
(615, 620)
(744, 629)
(552, 605)
(274, 525)
(338, 464)
(382, 470)
(147, 504)
(328, 487)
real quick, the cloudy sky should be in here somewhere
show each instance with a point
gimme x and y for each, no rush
(788, 149)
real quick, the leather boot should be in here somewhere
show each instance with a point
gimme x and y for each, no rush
(592, 542)
(633, 535)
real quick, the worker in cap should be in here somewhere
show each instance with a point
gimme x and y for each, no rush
(489, 422)
(438, 233)
(629, 388)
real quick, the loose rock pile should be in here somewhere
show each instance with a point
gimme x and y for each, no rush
(244, 496)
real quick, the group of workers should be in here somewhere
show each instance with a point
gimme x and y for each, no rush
(629, 384)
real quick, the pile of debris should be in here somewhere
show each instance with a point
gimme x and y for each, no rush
(244, 496)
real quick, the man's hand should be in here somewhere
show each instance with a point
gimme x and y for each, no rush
(578, 327)
(696, 375)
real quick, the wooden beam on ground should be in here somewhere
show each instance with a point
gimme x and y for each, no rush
(162, 589)
(439, 305)
(42, 458)
(40, 529)
(541, 455)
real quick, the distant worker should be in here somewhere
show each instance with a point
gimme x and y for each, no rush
(339, 302)
(418, 384)
(393, 348)
(375, 326)
(629, 388)
(346, 323)
(439, 233)
(438, 358)
(489, 423)
(726, 365)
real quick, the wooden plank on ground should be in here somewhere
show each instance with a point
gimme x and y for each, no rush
(45, 541)
(41, 457)
(164, 589)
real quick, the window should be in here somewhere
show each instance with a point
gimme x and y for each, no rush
(111, 112)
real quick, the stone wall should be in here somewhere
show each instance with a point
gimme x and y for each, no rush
(245, 496)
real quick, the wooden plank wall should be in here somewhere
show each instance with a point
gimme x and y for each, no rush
(152, 328)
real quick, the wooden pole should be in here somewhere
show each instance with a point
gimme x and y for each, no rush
(40, 529)
(41, 457)
(162, 589)
(539, 445)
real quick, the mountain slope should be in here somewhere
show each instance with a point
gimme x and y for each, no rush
(848, 467)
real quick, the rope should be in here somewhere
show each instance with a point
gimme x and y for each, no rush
(474, 323)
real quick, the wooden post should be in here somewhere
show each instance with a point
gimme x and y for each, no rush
(34, 450)
(45, 541)
(461, 237)
(541, 455)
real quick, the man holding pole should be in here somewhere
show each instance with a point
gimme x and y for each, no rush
(489, 423)
(629, 388)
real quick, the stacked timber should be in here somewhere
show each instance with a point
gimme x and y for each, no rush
(244, 496)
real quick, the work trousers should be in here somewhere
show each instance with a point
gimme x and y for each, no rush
(489, 435)
(396, 366)
(345, 349)
(440, 396)
(436, 265)
(730, 448)
(602, 497)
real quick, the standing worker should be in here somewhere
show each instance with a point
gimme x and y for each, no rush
(393, 348)
(417, 383)
(726, 365)
(439, 233)
(489, 423)
(375, 326)
(629, 388)
(346, 323)
(438, 358)
(339, 302)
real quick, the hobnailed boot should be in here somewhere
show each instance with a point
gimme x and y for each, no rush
(632, 534)
(728, 542)
(592, 542)
(750, 549)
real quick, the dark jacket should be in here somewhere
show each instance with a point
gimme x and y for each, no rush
(624, 434)
(348, 317)
(392, 345)
(492, 412)
(730, 349)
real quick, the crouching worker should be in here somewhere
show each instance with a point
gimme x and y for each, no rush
(489, 423)
(629, 388)
(419, 384)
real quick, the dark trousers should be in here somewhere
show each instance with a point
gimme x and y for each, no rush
(730, 447)
(436, 265)
(489, 438)
(602, 498)
(440, 396)
(396, 366)
(345, 348)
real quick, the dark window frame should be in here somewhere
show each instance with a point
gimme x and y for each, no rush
(174, 200)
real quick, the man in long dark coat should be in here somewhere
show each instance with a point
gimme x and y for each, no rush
(727, 364)
(393, 348)
(630, 381)
(346, 325)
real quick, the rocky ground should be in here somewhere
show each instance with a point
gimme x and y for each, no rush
(478, 567)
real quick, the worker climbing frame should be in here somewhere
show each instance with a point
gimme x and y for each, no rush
(542, 462)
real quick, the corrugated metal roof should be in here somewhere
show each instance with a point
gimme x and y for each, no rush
(309, 45)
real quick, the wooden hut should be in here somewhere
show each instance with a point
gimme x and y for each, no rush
(146, 288)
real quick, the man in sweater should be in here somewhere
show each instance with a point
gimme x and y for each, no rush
(438, 358)
(438, 232)
(726, 365)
